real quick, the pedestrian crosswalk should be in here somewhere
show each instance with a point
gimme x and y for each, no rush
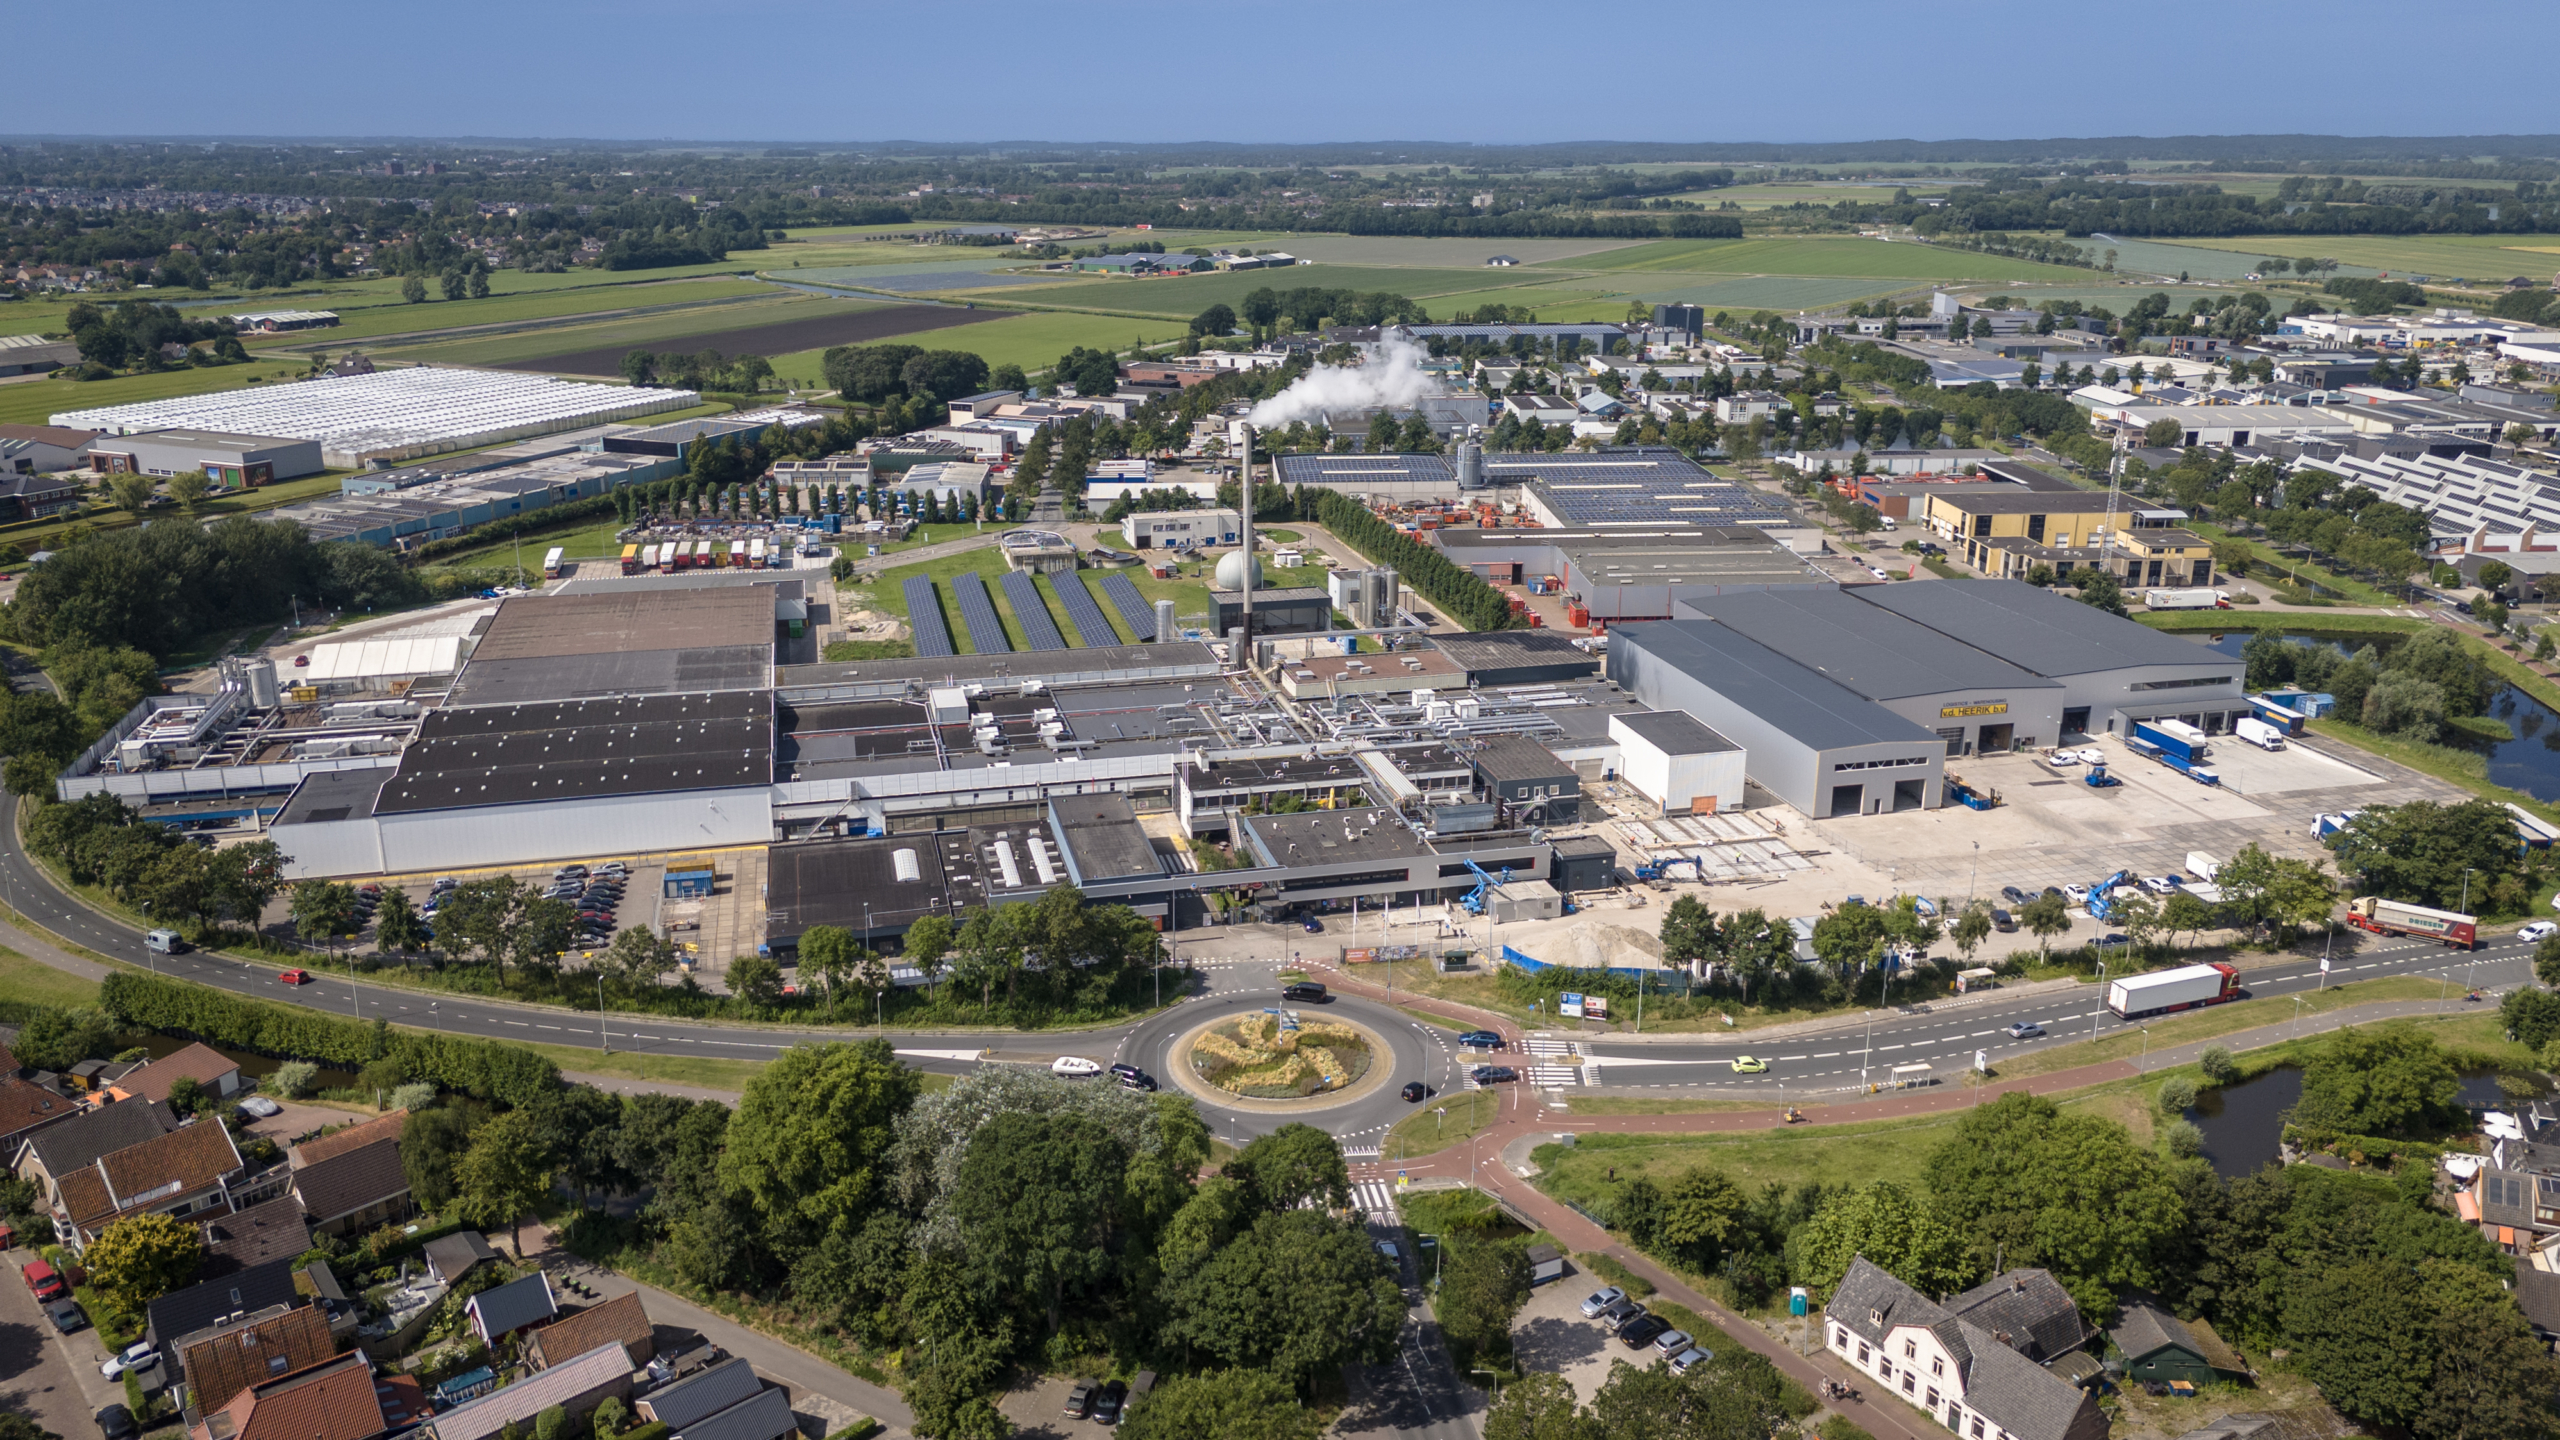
(1552, 1047)
(1375, 1198)
(1586, 1073)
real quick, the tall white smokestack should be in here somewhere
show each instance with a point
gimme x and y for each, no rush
(1244, 488)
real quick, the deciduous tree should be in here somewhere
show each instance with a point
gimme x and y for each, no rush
(140, 1258)
(811, 1136)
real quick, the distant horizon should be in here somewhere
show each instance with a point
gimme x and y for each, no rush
(1494, 71)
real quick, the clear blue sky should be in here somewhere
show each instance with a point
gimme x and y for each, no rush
(1303, 70)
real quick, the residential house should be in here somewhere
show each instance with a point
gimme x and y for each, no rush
(620, 1319)
(352, 1138)
(765, 1415)
(225, 1358)
(2159, 1346)
(53, 1151)
(502, 1310)
(2538, 1295)
(184, 1172)
(700, 1395)
(26, 1107)
(203, 1305)
(450, 1257)
(575, 1387)
(355, 1189)
(243, 1239)
(37, 497)
(337, 1399)
(1976, 1362)
(215, 1074)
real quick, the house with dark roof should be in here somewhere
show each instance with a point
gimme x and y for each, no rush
(700, 1395)
(241, 1239)
(450, 1257)
(765, 1415)
(2538, 1295)
(209, 1068)
(353, 1137)
(355, 1190)
(501, 1310)
(1981, 1382)
(26, 1107)
(208, 1303)
(2159, 1346)
(575, 1386)
(56, 1150)
(618, 1320)
(187, 1171)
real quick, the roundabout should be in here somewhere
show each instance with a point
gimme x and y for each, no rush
(1398, 1049)
(1252, 1061)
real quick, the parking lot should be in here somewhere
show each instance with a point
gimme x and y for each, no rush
(1550, 1334)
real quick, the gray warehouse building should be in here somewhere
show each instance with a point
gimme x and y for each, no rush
(234, 461)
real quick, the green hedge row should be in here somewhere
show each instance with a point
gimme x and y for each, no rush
(488, 533)
(1458, 591)
(507, 1074)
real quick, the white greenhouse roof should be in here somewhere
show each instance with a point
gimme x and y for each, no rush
(383, 659)
(415, 411)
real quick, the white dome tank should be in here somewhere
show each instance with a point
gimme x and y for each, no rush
(1231, 571)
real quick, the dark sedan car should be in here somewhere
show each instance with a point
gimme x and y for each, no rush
(1494, 1074)
(1640, 1332)
(116, 1423)
(66, 1316)
(2014, 895)
(1107, 1401)
(1480, 1040)
(1415, 1090)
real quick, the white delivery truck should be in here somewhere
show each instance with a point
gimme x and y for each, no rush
(2165, 990)
(2202, 866)
(2259, 733)
(2197, 599)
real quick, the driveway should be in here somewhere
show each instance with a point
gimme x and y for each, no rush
(50, 1376)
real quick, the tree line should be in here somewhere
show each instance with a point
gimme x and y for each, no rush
(1461, 594)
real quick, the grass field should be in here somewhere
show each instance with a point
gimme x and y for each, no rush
(1773, 193)
(36, 983)
(1847, 259)
(28, 402)
(377, 321)
(1357, 250)
(1769, 292)
(2475, 257)
(1185, 296)
(1033, 341)
(501, 347)
(888, 593)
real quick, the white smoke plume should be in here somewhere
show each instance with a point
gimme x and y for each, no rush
(1392, 375)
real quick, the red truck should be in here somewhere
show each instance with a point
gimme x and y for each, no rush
(44, 1280)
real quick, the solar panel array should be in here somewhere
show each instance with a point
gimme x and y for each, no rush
(978, 612)
(1083, 613)
(1133, 607)
(924, 616)
(1037, 627)
(1643, 486)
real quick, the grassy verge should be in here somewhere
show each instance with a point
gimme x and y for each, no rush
(32, 982)
(1426, 1132)
(2355, 591)
(843, 651)
(703, 1072)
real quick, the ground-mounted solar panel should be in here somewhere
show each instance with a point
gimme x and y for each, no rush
(1133, 607)
(924, 616)
(1038, 629)
(978, 613)
(1082, 612)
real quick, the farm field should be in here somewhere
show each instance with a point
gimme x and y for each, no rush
(398, 320)
(815, 325)
(1452, 252)
(1033, 340)
(1185, 296)
(1770, 194)
(1551, 302)
(1769, 292)
(2117, 298)
(1843, 258)
(2475, 257)
(29, 402)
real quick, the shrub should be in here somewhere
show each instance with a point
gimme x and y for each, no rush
(2181, 1138)
(293, 1078)
(2217, 1065)
(2177, 1095)
(416, 1095)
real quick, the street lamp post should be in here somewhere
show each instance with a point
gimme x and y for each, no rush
(1973, 876)
(604, 1030)
(2102, 1002)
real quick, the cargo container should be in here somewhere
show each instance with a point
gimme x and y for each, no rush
(2187, 599)
(737, 554)
(2173, 743)
(648, 557)
(703, 556)
(2166, 990)
(630, 559)
(551, 563)
(2277, 713)
(755, 553)
(2390, 917)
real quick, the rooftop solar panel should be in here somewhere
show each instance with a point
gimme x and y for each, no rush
(1133, 607)
(978, 613)
(1038, 627)
(924, 616)
(1086, 616)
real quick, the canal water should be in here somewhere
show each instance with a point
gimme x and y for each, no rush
(2530, 762)
(2243, 1124)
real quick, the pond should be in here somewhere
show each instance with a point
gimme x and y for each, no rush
(2530, 762)
(2243, 1124)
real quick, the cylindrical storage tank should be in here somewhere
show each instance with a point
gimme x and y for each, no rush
(261, 675)
(1165, 628)
(1470, 465)
(904, 863)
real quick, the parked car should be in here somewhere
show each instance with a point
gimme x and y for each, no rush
(1312, 927)
(1601, 1300)
(295, 977)
(1080, 1398)
(2076, 894)
(1617, 1316)
(1074, 1067)
(2163, 884)
(2014, 895)
(1480, 1040)
(1415, 1090)
(1494, 1074)
(1672, 1342)
(1107, 1402)
(2025, 1030)
(116, 1423)
(2002, 920)
(1749, 1065)
(43, 1280)
(1689, 1359)
(1640, 1332)
(137, 1356)
(1388, 1249)
(66, 1316)
(260, 1107)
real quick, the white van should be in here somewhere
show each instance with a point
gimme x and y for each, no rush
(164, 942)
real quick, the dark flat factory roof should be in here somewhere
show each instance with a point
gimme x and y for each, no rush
(505, 754)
